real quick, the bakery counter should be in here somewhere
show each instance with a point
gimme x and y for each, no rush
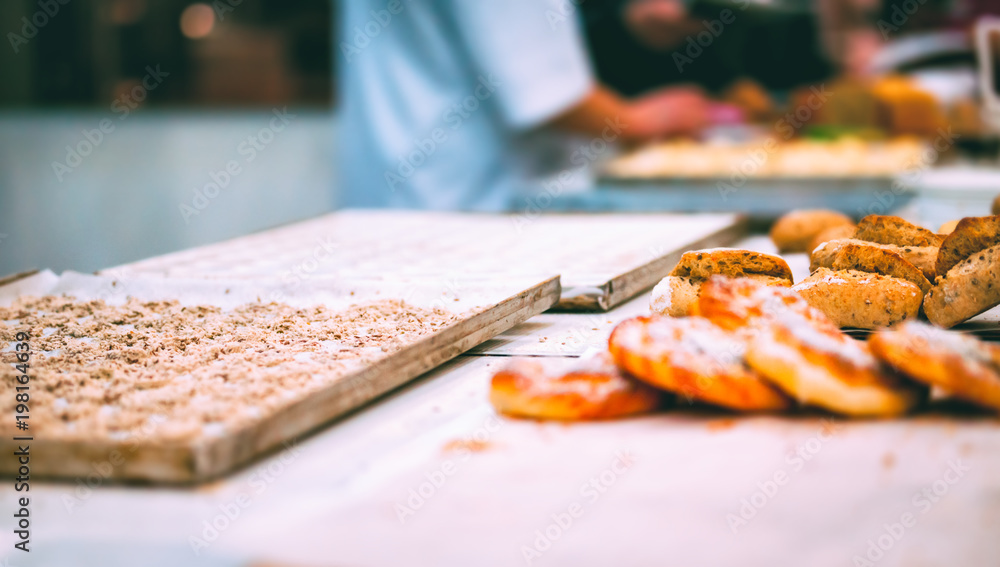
(431, 475)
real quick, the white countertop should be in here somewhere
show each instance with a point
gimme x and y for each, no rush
(666, 489)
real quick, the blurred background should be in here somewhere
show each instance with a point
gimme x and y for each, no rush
(224, 69)
(119, 117)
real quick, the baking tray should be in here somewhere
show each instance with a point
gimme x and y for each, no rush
(603, 259)
(485, 308)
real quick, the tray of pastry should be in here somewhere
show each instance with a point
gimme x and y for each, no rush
(602, 259)
(764, 179)
(834, 162)
(179, 381)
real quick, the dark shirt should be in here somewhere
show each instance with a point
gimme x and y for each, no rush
(778, 50)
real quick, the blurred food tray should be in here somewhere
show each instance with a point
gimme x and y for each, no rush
(483, 309)
(763, 198)
(603, 259)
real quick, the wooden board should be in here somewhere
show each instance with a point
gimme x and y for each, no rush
(603, 260)
(485, 309)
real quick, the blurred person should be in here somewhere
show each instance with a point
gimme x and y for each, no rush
(463, 105)
(710, 43)
(854, 31)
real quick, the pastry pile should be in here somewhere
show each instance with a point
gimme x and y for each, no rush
(728, 328)
(890, 271)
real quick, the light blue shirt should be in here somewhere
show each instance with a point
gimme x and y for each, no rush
(438, 98)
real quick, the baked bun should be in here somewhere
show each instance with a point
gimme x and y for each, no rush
(673, 296)
(865, 300)
(969, 268)
(692, 357)
(833, 233)
(996, 205)
(923, 257)
(883, 229)
(795, 230)
(676, 293)
(971, 235)
(878, 260)
(820, 366)
(948, 228)
(702, 264)
(588, 388)
(959, 364)
(737, 303)
(968, 289)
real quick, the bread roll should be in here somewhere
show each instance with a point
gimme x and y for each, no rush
(820, 366)
(676, 293)
(996, 205)
(568, 389)
(966, 290)
(693, 358)
(851, 298)
(877, 260)
(957, 363)
(737, 303)
(948, 228)
(923, 257)
(971, 235)
(794, 231)
(894, 230)
(832, 233)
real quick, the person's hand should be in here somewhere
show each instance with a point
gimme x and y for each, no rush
(667, 112)
(659, 24)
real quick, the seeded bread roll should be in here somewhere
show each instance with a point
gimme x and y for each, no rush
(923, 257)
(957, 363)
(701, 264)
(966, 290)
(833, 233)
(677, 293)
(794, 231)
(864, 300)
(971, 235)
(894, 230)
(873, 259)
